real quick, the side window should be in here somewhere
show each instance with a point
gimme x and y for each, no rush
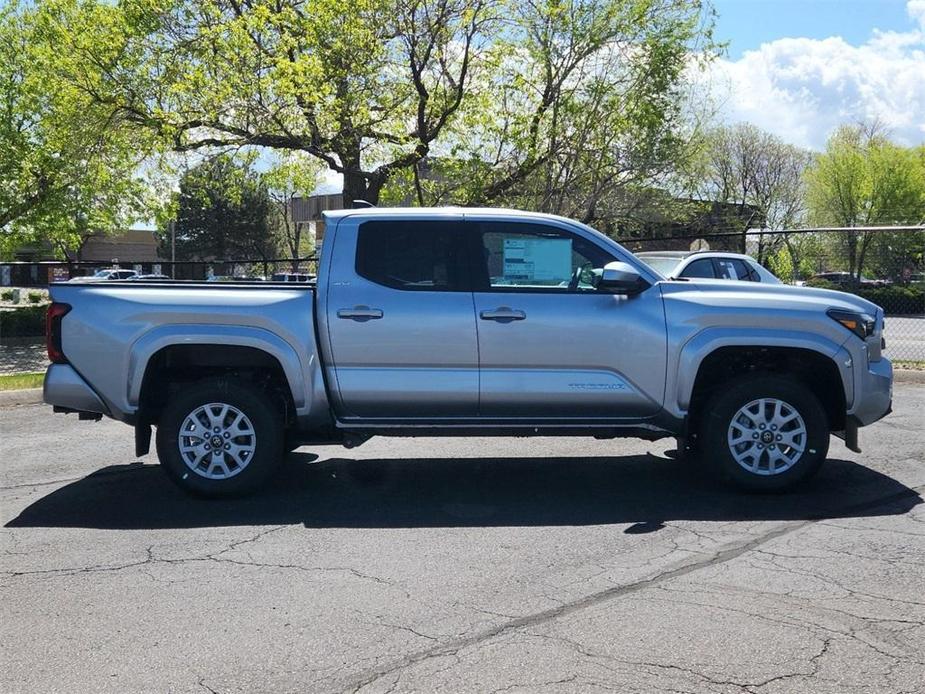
(725, 269)
(699, 268)
(745, 271)
(421, 255)
(536, 257)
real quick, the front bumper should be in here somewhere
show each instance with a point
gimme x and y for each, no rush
(873, 392)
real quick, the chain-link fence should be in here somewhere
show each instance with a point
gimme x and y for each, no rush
(42, 273)
(882, 264)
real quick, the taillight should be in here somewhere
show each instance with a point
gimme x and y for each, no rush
(53, 332)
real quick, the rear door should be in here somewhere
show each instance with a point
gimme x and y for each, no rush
(550, 344)
(400, 320)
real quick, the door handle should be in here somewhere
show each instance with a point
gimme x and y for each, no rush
(360, 313)
(503, 314)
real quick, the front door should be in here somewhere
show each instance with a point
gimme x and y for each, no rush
(401, 320)
(550, 344)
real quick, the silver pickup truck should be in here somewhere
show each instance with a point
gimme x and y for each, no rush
(469, 322)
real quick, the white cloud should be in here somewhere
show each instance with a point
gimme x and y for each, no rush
(916, 10)
(802, 89)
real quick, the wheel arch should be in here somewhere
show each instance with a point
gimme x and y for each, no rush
(188, 353)
(814, 369)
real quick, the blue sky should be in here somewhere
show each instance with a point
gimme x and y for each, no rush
(746, 24)
(799, 69)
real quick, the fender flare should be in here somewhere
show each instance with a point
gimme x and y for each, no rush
(704, 343)
(152, 342)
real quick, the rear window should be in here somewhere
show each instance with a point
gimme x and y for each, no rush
(424, 255)
(699, 268)
(665, 266)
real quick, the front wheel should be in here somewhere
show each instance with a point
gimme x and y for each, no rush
(765, 434)
(219, 438)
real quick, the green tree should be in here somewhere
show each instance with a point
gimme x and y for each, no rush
(291, 177)
(863, 179)
(546, 98)
(581, 110)
(67, 164)
(222, 214)
(760, 176)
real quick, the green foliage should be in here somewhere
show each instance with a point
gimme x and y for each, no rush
(863, 179)
(36, 297)
(222, 213)
(896, 300)
(578, 110)
(28, 321)
(6, 295)
(819, 283)
(21, 381)
(560, 102)
(67, 161)
(293, 175)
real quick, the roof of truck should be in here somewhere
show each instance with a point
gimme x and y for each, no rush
(435, 211)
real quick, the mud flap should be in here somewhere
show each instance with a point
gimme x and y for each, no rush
(142, 439)
(849, 435)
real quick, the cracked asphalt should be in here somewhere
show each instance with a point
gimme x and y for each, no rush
(459, 565)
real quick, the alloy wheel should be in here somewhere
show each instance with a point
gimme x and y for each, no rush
(767, 436)
(217, 441)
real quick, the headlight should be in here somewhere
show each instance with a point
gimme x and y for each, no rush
(860, 324)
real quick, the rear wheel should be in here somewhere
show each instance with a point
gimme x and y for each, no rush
(220, 439)
(765, 433)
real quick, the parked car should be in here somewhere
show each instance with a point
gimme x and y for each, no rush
(234, 278)
(847, 280)
(469, 322)
(708, 265)
(108, 274)
(292, 277)
(151, 276)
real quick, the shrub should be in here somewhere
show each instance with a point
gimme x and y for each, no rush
(896, 300)
(821, 284)
(28, 321)
(36, 297)
(6, 295)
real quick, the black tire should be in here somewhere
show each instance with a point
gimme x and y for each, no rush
(263, 420)
(794, 465)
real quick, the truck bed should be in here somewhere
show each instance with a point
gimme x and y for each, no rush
(113, 328)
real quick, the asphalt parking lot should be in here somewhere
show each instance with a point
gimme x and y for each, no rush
(461, 566)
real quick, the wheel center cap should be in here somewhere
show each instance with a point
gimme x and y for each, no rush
(767, 437)
(217, 441)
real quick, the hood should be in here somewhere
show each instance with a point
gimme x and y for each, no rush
(734, 294)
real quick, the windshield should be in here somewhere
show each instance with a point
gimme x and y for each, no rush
(665, 266)
(102, 273)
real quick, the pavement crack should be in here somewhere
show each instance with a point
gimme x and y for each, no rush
(26, 485)
(721, 556)
(202, 683)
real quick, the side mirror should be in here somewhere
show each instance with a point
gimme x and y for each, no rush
(620, 278)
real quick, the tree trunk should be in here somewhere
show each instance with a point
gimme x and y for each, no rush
(853, 269)
(355, 188)
(794, 259)
(866, 238)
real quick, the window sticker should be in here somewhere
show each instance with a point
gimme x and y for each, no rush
(537, 260)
